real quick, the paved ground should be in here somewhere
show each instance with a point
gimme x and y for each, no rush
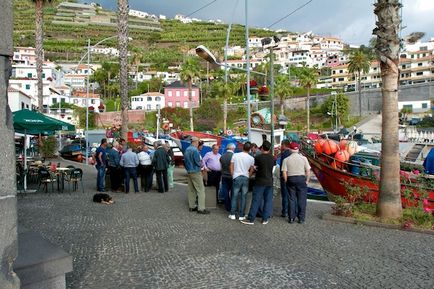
(150, 240)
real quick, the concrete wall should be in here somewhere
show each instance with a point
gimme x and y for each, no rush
(8, 201)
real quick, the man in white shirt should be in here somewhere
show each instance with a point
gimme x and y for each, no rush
(145, 169)
(242, 166)
(296, 174)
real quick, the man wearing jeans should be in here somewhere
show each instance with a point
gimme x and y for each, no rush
(283, 188)
(130, 161)
(241, 168)
(226, 188)
(101, 158)
(196, 189)
(296, 173)
(263, 188)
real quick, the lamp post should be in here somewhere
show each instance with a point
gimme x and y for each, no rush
(248, 70)
(87, 89)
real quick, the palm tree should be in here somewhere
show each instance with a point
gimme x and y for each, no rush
(308, 78)
(39, 39)
(123, 62)
(190, 69)
(283, 90)
(387, 47)
(359, 62)
(225, 90)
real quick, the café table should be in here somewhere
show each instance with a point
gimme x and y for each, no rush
(61, 173)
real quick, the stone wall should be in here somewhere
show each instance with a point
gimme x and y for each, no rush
(107, 119)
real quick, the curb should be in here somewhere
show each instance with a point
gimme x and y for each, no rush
(349, 220)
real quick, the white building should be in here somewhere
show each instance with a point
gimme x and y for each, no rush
(75, 81)
(30, 87)
(255, 42)
(416, 106)
(105, 50)
(29, 71)
(24, 55)
(18, 100)
(148, 101)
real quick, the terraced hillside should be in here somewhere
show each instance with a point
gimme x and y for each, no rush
(67, 42)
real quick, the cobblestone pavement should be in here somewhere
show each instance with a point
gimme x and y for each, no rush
(151, 240)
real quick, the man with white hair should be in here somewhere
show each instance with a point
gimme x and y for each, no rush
(226, 187)
(296, 173)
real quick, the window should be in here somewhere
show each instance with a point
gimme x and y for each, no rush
(43, 75)
(54, 100)
(169, 104)
(92, 101)
(185, 104)
(27, 86)
(148, 107)
(149, 98)
(75, 101)
(341, 79)
(178, 104)
(185, 93)
(83, 101)
(424, 105)
(410, 106)
(193, 93)
(419, 64)
(29, 75)
(22, 105)
(419, 73)
(177, 93)
(158, 98)
(169, 93)
(62, 100)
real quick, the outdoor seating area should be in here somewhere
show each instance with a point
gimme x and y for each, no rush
(48, 177)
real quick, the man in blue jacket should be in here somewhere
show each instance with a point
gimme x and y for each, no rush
(196, 189)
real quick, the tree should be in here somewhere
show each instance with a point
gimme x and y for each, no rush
(387, 47)
(190, 69)
(123, 62)
(39, 39)
(342, 106)
(225, 90)
(283, 90)
(105, 76)
(308, 78)
(359, 62)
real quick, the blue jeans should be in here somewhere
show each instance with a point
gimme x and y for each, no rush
(131, 173)
(297, 189)
(284, 196)
(225, 192)
(240, 188)
(261, 195)
(100, 178)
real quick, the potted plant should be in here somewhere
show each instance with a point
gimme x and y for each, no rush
(101, 107)
(91, 108)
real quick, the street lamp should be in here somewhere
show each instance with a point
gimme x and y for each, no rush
(205, 54)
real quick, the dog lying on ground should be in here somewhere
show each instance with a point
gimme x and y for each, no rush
(103, 199)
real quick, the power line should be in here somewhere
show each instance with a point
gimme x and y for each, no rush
(204, 6)
(292, 12)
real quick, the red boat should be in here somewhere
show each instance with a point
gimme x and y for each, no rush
(335, 178)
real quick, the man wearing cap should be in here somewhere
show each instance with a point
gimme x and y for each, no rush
(296, 173)
(196, 189)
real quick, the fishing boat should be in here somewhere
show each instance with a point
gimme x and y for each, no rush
(72, 152)
(363, 170)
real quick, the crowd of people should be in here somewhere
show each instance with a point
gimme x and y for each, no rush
(122, 164)
(232, 174)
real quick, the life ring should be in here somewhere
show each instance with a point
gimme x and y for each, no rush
(229, 132)
(166, 126)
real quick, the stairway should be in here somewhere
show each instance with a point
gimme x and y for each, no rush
(414, 152)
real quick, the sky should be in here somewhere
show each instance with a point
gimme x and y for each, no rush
(350, 20)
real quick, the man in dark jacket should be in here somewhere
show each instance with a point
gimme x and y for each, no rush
(113, 161)
(226, 188)
(160, 161)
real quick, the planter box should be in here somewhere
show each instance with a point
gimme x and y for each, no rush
(331, 217)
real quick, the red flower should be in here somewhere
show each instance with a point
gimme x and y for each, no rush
(253, 83)
(263, 90)
(91, 108)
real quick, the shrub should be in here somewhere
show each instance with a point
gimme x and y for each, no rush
(48, 148)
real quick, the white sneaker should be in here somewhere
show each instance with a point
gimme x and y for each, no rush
(241, 218)
(265, 222)
(232, 217)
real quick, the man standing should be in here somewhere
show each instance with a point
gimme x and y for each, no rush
(296, 173)
(241, 169)
(225, 162)
(263, 189)
(211, 163)
(196, 189)
(171, 167)
(160, 162)
(129, 161)
(101, 158)
(145, 169)
(113, 163)
(283, 189)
